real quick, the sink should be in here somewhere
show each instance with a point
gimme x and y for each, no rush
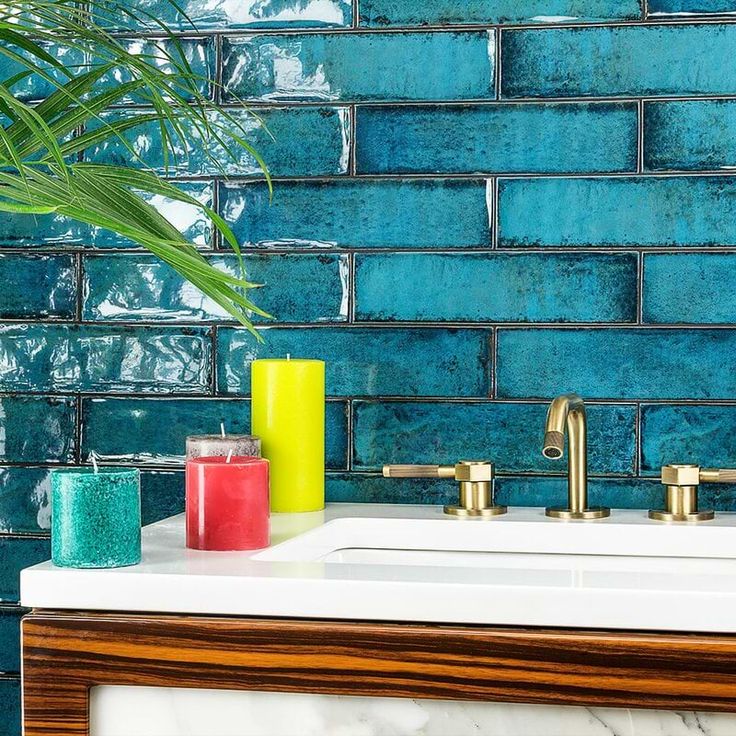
(437, 539)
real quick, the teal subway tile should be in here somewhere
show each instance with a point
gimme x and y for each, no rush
(15, 554)
(279, 135)
(637, 211)
(531, 138)
(389, 213)
(37, 429)
(25, 506)
(387, 13)
(701, 435)
(523, 490)
(508, 434)
(616, 363)
(37, 87)
(129, 430)
(689, 288)
(37, 287)
(367, 361)
(685, 60)
(162, 494)
(96, 358)
(690, 135)
(690, 7)
(550, 287)
(10, 706)
(215, 14)
(360, 66)
(54, 230)
(296, 288)
(10, 639)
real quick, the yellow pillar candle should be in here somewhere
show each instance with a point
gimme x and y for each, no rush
(288, 414)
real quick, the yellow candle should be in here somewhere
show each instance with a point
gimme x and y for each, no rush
(288, 414)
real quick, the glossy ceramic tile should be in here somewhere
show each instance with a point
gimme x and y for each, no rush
(533, 138)
(297, 288)
(361, 66)
(54, 230)
(277, 134)
(197, 53)
(10, 638)
(93, 358)
(37, 287)
(15, 554)
(9, 706)
(617, 363)
(702, 435)
(637, 211)
(508, 434)
(367, 214)
(619, 61)
(690, 7)
(689, 288)
(37, 429)
(25, 505)
(129, 430)
(36, 87)
(162, 494)
(522, 490)
(496, 288)
(384, 13)
(693, 135)
(216, 14)
(364, 362)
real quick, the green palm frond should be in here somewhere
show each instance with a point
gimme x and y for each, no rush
(41, 143)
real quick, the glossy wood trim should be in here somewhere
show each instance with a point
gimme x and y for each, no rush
(65, 654)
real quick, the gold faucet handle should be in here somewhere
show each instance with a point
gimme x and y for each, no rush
(718, 475)
(472, 471)
(418, 471)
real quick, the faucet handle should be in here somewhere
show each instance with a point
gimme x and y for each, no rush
(718, 475)
(418, 471)
(476, 484)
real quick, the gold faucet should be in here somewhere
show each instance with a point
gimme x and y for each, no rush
(568, 412)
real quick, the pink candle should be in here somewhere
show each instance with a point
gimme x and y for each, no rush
(227, 503)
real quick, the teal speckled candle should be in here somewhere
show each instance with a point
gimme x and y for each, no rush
(95, 517)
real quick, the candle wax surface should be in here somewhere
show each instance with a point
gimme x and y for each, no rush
(227, 503)
(288, 414)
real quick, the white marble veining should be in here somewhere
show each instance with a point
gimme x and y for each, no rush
(143, 711)
(412, 563)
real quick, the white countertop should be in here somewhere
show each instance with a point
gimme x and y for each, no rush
(412, 563)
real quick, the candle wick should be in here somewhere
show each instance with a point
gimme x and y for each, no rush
(288, 356)
(222, 429)
(229, 455)
(93, 457)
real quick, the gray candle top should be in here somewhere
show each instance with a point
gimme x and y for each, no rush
(214, 445)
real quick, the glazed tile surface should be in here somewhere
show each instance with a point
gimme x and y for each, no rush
(496, 288)
(425, 214)
(384, 13)
(621, 60)
(395, 363)
(390, 66)
(557, 138)
(637, 211)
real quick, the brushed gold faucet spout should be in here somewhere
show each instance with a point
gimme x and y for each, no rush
(566, 414)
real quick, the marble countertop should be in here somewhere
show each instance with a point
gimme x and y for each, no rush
(412, 563)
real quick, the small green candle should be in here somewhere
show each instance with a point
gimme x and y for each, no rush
(95, 517)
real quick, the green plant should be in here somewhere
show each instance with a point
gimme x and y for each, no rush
(42, 170)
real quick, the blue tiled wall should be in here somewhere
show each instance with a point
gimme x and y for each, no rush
(478, 204)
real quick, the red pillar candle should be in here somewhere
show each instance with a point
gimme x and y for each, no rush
(227, 503)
